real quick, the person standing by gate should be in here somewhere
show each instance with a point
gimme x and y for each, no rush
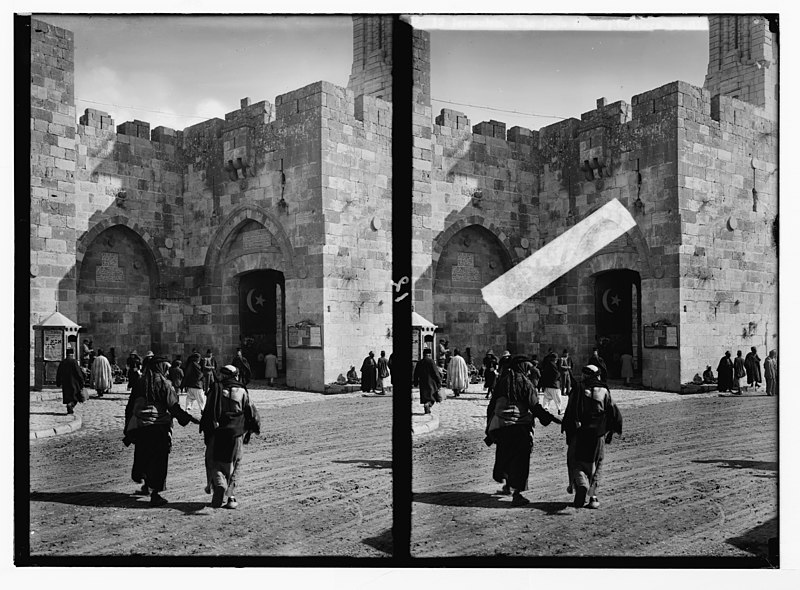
(383, 372)
(739, 373)
(271, 366)
(193, 382)
(242, 366)
(209, 365)
(551, 381)
(771, 372)
(752, 365)
(369, 373)
(565, 372)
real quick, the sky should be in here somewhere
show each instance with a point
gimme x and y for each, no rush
(179, 70)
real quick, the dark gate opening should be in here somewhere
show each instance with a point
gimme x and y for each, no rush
(618, 318)
(262, 317)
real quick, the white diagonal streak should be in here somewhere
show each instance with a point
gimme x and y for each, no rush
(558, 257)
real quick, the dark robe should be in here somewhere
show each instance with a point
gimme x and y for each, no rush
(69, 377)
(725, 374)
(429, 380)
(148, 424)
(243, 366)
(391, 370)
(752, 364)
(509, 424)
(369, 374)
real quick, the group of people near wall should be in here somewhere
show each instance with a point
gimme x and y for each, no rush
(736, 374)
(228, 416)
(589, 420)
(374, 373)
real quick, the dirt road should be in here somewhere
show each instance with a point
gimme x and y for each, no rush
(316, 482)
(692, 477)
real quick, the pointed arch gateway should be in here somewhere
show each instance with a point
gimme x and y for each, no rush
(248, 263)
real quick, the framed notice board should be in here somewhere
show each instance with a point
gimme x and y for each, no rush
(661, 336)
(304, 337)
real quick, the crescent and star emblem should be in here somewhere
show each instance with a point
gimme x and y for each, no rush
(259, 300)
(614, 301)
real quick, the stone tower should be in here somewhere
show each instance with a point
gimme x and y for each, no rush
(743, 60)
(372, 57)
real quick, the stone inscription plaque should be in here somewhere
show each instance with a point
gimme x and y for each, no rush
(465, 269)
(109, 269)
(256, 240)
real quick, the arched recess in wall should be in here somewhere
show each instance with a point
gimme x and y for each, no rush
(116, 288)
(88, 238)
(219, 248)
(468, 257)
(444, 238)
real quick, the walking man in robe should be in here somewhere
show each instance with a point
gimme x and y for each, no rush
(228, 420)
(102, 376)
(626, 366)
(429, 380)
(752, 364)
(383, 372)
(510, 424)
(771, 372)
(69, 377)
(458, 373)
(151, 407)
(209, 365)
(589, 422)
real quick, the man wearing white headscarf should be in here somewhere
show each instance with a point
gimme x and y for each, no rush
(458, 373)
(228, 420)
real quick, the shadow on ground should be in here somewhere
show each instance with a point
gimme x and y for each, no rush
(382, 542)
(741, 464)
(111, 500)
(368, 463)
(483, 500)
(761, 541)
(49, 413)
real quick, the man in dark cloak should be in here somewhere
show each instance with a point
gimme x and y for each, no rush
(752, 364)
(243, 366)
(429, 380)
(725, 373)
(69, 377)
(369, 373)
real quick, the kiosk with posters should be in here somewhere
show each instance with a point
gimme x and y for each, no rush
(52, 338)
(422, 336)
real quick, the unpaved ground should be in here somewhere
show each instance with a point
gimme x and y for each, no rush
(692, 477)
(316, 482)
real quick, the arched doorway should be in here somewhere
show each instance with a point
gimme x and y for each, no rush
(262, 318)
(471, 259)
(618, 317)
(117, 282)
